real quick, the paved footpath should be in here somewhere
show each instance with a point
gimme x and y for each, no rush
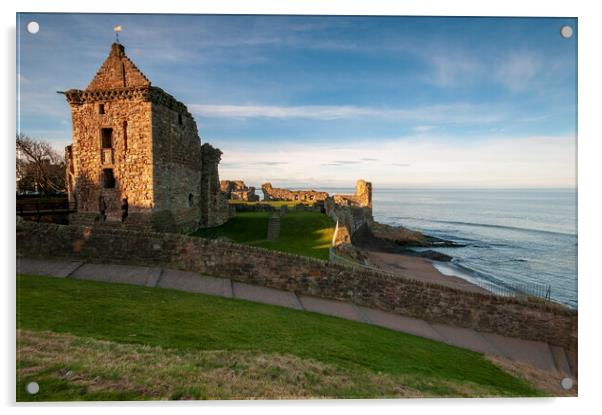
(538, 354)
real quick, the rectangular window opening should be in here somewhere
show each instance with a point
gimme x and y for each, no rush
(101, 108)
(108, 179)
(107, 137)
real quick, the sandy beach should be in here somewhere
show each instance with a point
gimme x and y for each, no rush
(389, 256)
(417, 268)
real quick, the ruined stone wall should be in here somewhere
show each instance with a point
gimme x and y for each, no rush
(350, 219)
(177, 167)
(361, 198)
(214, 204)
(238, 190)
(363, 194)
(244, 195)
(272, 193)
(351, 211)
(554, 324)
(228, 186)
(70, 177)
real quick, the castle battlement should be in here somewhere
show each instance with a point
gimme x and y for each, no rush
(134, 93)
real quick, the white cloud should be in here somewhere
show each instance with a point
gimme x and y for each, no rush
(450, 70)
(454, 113)
(414, 161)
(518, 69)
(423, 128)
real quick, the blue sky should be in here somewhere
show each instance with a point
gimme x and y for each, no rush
(312, 100)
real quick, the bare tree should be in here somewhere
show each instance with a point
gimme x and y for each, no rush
(39, 166)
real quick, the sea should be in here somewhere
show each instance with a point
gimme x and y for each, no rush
(511, 236)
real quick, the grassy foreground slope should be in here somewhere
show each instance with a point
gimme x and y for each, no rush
(301, 233)
(92, 340)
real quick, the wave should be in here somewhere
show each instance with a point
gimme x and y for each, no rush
(459, 269)
(466, 273)
(490, 225)
(480, 275)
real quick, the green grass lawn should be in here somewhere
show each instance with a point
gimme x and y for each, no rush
(301, 233)
(274, 203)
(92, 340)
(243, 228)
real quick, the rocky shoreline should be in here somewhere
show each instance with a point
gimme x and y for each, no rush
(408, 239)
(394, 249)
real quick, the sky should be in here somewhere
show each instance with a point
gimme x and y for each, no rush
(320, 101)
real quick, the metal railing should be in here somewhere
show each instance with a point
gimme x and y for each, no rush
(517, 290)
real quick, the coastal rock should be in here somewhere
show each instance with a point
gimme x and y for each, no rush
(398, 234)
(435, 256)
(435, 242)
(406, 237)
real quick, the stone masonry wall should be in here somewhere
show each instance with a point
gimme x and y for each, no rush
(214, 203)
(238, 190)
(506, 316)
(70, 177)
(130, 157)
(117, 71)
(177, 167)
(351, 212)
(272, 193)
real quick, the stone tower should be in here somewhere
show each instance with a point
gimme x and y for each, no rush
(134, 142)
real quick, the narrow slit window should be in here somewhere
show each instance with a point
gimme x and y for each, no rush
(125, 135)
(180, 119)
(107, 137)
(101, 109)
(190, 200)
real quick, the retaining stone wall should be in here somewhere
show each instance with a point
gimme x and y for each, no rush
(511, 317)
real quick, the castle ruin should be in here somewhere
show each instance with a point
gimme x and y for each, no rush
(351, 212)
(273, 193)
(238, 190)
(136, 159)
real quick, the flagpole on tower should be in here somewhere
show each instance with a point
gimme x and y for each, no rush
(117, 29)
